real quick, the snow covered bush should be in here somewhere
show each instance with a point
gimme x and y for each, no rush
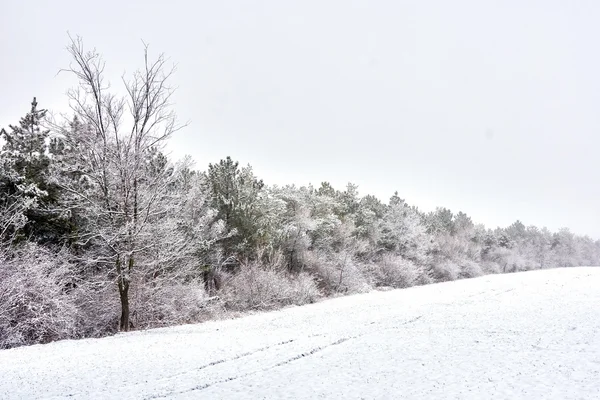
(337, 273)
(490, 267)
(36, 301)
(258, 288)
(469, 269)
(167, 302)
(444, 271)
(97, 311)
(396, 272)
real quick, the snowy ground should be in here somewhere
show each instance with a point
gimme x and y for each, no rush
(533, 335)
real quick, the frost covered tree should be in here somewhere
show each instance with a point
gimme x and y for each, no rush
(370, 210)
(294, 225)
(12, 216)
(111, 167)
(26, 191)
(237, 194)
(403, 233)
(440, 221)
(563, 248)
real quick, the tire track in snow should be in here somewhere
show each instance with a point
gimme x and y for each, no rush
(205, 366)
(217, 362)
(302, 355)
(233, 378)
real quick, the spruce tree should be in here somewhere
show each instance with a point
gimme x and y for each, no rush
(24, 179)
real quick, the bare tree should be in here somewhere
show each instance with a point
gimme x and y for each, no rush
(118, 178)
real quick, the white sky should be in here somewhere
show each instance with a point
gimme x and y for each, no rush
(489, 107)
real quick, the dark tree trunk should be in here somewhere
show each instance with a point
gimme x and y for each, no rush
(124, 296)
(124, 323)
(212, 281)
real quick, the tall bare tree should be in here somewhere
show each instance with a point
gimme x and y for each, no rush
(118, 179)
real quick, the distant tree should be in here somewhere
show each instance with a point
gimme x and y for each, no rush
(294, 225)
(516, 233)
(326, 190)
(403, 233)
(441, 221)
(237, 194)
(563, 248)
(463, 225)
(368, 216)
(349, 201)
(325, 207)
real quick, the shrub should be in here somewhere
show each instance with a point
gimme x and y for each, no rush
(98, 307)
(36, 305)
(469, 269)
(337, 273)
(396, 272)
(167, 302)
(445, 270)
(257, 288)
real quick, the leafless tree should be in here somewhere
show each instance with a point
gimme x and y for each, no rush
(119, 179)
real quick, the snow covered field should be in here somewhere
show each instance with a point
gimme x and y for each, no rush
(533, 335)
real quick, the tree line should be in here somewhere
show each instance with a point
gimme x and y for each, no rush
(101, 232)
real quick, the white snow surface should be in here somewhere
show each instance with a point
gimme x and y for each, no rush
(532, 335)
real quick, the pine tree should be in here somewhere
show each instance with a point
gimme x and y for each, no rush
(24, 158)
(237, 196)
(24, 179)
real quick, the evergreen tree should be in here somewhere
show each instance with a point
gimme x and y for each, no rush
(25, 178)
(237, 195)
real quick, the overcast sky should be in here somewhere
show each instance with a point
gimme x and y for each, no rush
(489, 107)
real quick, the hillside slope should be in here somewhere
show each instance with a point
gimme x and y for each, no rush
(533, 335)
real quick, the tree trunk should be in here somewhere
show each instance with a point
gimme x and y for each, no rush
(124, 296)
(123, 283)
